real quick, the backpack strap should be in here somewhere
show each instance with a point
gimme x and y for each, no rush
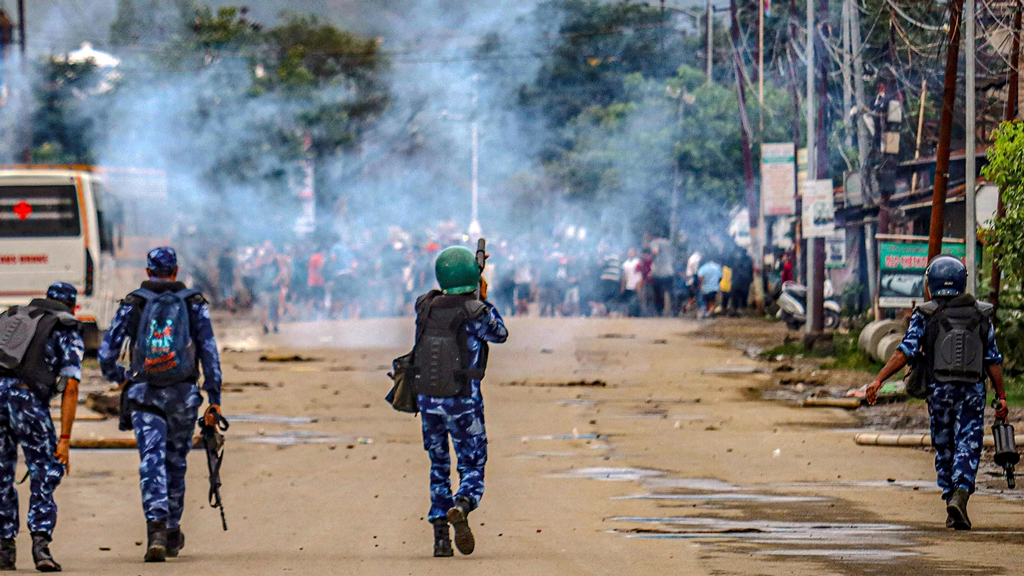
(929, 308)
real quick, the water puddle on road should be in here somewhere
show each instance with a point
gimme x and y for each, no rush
(770, 532)
(726, 496)
(841, 554)
(610, 474)
(295, 437)
(772, 524)
(697, 484)
(271, 419)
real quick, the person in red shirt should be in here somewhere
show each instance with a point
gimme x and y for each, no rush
(646, 293)
(316, 282)
(787, 267)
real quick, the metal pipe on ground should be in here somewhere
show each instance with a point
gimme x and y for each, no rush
(848, 403)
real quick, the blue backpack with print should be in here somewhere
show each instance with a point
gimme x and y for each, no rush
(163, 350)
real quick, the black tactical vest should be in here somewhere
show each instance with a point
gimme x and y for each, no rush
(440, 363)
(32, 368)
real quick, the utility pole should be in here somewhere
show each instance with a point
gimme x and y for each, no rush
(25, 124)
(710, 42)
(816, 313)
(863, 147)
(1009, 114)
(474, 223)
(760, 64)
(847, 73)
(745, 142)
(812, 164)
(863, 139)
(795, 93)
(971, 222)
(938, 222)
(920, 129)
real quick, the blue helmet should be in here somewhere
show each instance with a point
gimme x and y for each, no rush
(64, 293)
(162, 261)
(946, 276)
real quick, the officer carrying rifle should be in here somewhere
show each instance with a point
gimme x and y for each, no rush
(453, 328)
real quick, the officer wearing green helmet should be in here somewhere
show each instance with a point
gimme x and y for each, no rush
(453, 328)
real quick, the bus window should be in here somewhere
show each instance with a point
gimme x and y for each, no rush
(111, 220)
(39, 211)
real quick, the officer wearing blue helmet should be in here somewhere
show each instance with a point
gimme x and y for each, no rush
(40, 356)
(169, 335)
(952, 340)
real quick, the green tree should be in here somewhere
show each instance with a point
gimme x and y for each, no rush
(596, 46)
(1006, 169)
(63, 128)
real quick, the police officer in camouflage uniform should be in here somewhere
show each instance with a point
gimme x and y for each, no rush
(956, 407)
(53, 364)
(460, 417)
(164, 417)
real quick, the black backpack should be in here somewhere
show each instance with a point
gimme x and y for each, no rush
(23, 334)
(955, 336)
(440, 357)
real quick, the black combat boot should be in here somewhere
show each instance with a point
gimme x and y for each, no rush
(956, 508)
(41, 553)
(175, 542)
(458, 515)
(157, 548)
(8, 554)
(442, 539)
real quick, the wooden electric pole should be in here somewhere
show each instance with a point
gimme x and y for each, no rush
(745, 137)
(938, 222)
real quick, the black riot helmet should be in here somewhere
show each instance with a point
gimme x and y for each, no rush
(946, 276)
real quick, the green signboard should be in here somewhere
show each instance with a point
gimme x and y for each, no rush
(901, 270)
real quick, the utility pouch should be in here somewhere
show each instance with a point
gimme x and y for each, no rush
(402, 396)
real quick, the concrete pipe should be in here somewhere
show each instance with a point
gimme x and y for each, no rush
(873, 333)
(887, 346)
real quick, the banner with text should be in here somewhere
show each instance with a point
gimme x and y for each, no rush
(778, 180)
(819, 211)
(901, 270)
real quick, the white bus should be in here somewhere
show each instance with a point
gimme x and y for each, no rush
(85, 225)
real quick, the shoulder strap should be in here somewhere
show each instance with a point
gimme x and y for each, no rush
(929, 308)
(985, 309)
(475, 309)
(193, 297)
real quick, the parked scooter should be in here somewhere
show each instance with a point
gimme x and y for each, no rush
(793, 306)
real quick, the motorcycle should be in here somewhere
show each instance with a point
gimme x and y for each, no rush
(793, 306)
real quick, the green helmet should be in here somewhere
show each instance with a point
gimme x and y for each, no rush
(457, 271)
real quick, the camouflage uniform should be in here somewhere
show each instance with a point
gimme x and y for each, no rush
(957, 416)
(25, 419)
(164, 418)
(462, 418)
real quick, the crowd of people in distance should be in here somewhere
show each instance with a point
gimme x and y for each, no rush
(375, 277)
